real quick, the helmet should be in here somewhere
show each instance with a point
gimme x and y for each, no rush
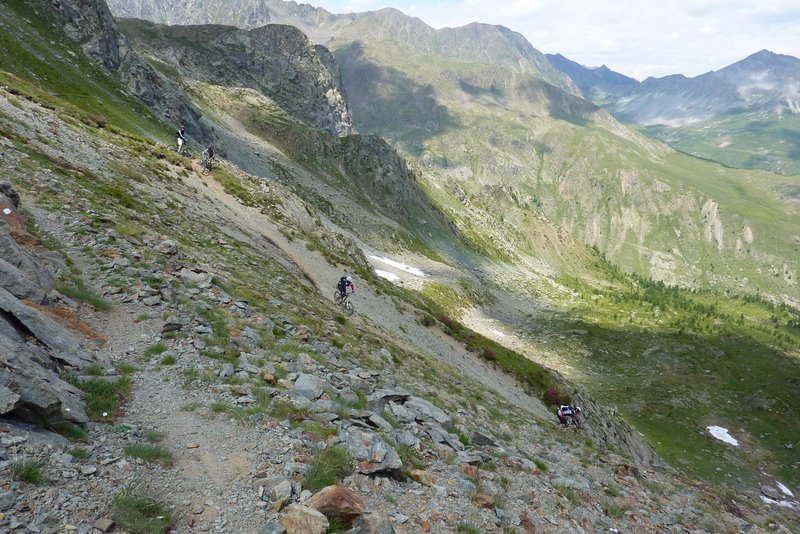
(349, 279)
(578, 409)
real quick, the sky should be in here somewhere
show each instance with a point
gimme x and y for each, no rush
(638, 38)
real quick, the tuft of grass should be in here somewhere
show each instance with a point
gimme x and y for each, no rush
(127, 369)
(155, 350)
(154, 436)
(78, 291)
(613, 510)
(150, 453)
(70, 431)
(169, 359)
(468, 528)
(103, 397)
(189, 407)
(94, 370)
(28, 471)
(327, 468)
(79, 453)
(137, 511)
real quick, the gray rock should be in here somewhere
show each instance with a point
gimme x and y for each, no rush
(63, 344)
(8, 399)
(273, 528)
(24, 274)
(308, 386)
(479, 438)
(771, 492)
(282, 490)
(25, 370)
(167, 247)
(563, 481)
(193, 277)
(373, 523)
(7, 190)
(227, 370)
(372, 454)
(425, 411)
(400, 412)
(378, 399)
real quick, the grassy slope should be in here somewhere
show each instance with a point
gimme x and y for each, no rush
(749, 141)
(620, 350)
(36, 51)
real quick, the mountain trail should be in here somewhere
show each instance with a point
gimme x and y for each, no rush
(378, 309)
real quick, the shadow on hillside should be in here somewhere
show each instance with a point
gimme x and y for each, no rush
(386, 102)
(671, 383)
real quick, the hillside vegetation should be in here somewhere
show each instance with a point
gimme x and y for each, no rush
(433, 404)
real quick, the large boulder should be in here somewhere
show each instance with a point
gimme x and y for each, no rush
(337, 501)
(300, 519)
(41, 394)
(58, 339)
(372, 454)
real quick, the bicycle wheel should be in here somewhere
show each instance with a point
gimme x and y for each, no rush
(205, 165)
(337, 298)
(348, 307)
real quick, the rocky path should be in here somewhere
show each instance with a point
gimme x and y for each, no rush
(379, 310)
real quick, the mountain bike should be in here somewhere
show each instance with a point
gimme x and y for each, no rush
(344, 302)
(185, 153)
(206, 163)
(573, 424)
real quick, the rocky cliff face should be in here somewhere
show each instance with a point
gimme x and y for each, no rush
(90, 23)
(34, 348)
(481, 43)
(277, 60)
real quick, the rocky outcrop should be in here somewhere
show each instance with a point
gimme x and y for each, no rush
(90, 23)
(34, 348)
(606, 426)
(278, 61)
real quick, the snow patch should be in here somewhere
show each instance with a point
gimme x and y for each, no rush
(386, 274)
(402, 266)
(794, 505)
(722, 435)
(784, 489)
(498, 333)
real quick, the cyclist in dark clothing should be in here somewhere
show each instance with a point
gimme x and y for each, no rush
(344, 283)
(566, 411)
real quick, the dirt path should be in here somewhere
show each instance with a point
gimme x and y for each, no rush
(380, 310)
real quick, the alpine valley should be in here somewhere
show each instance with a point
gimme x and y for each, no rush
(523, 232)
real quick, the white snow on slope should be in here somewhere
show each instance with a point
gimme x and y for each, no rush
(402, 266)
(386, 274)
(722, 435)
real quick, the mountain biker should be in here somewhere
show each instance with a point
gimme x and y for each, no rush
(565, 411)
(344, 283)
(210, 153)
(181, 138)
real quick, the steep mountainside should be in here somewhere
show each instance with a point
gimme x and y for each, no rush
(481, 43)
(502, 134)
(278, 61)
(245, 387)
(598, 84)
(230, 394)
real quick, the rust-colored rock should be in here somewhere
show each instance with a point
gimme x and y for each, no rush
(337, 501)
(485, 501)
(469, 470)
(423, 477)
